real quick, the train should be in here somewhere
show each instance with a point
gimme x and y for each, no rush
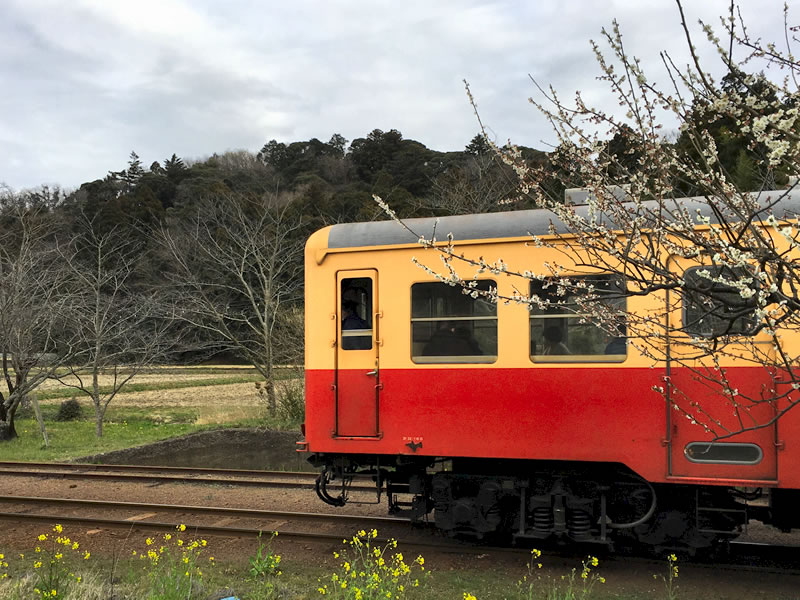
(473, 414)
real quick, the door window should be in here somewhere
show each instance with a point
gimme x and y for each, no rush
(356, 313)
(712, 307)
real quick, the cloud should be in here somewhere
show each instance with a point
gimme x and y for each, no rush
(93, 80)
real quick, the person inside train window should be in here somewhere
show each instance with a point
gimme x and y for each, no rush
(356, 330)
(451, 340)
(563, 323)
(619, 343)
(350, 318)
(553, 341)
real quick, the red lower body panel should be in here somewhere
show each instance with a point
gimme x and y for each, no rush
(580, 414)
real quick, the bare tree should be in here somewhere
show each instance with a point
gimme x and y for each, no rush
(31, 302)
(236, 267)
(729, 256)
(116, 330)
(479, 185)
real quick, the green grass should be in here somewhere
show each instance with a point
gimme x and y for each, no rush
(125, 425)
(490, 576)
(302, 576)
(73, 439)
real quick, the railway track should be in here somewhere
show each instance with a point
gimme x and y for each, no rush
(239, 477)
(204, 521)
(207, 521)
(210, 521)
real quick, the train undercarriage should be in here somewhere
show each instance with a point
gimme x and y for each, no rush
(521, 501)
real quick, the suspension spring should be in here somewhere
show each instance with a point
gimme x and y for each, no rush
(542, 519)
(579, 524)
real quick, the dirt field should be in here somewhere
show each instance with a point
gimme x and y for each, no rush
(222, 403)
(157, 378)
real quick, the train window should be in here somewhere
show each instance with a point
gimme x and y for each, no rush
(711, 307)
(726, 453)
(448, 326)
(356, 313)
(562, 328)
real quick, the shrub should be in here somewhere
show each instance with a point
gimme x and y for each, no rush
(291, 401)
(70, 410)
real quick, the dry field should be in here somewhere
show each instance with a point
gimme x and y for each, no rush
(219, 402)
(158, 378)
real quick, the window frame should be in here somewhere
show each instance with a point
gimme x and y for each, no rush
(452, 359)
(354, 339)
(567, 316)
(686, 325)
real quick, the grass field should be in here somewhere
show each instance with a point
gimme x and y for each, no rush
(153, 406)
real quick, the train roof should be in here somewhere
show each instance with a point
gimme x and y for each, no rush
(516, 224)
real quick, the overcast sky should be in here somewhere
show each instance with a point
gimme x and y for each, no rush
(86, 81)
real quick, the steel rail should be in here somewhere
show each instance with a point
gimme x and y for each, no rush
(117, 472)
(197, 530)
(218, 510)
(150, 468)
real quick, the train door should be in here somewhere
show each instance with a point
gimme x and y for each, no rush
(357, 370)
(732, 396)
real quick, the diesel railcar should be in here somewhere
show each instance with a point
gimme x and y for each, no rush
(473, 412)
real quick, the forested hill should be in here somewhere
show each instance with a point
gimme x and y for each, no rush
(329, 181)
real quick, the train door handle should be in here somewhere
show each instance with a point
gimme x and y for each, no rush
(373, 373)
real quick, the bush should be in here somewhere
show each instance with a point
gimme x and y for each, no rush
(291, 401)
(70, 410)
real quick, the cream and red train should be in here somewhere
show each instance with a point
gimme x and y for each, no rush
(474, 411)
